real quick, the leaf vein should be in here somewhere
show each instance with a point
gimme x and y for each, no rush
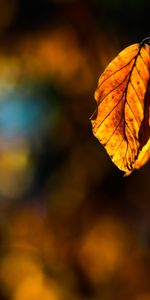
(134, 137)
(110, 111)
(136, 94)
(132, 112)
(116, 87)
(114, 131)
(114, 73)
(118, 147)
(139, 75)
(143, 61)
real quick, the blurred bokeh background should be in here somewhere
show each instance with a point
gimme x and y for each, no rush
(71, 226)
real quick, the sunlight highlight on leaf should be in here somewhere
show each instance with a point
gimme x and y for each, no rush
(121, 120)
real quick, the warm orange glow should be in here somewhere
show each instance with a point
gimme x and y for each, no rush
(35, 288)
(72, 228)
(121, 122)
(103, 250)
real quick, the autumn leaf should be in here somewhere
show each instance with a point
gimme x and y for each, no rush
(121, 121)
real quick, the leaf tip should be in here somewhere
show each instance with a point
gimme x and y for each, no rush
(94, 115)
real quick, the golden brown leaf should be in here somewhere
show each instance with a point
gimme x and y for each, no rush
(121, 121)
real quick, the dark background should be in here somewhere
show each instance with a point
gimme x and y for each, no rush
(71, 226)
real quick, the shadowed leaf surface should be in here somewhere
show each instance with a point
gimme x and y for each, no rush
(121, 121)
